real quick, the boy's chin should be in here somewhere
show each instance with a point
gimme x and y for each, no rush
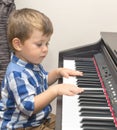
(36, 63)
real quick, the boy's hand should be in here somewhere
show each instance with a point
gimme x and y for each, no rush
(67, 89)
(64, 72)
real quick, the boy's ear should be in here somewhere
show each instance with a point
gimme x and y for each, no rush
(17, 44)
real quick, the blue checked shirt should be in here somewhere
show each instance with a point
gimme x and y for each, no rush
(22, 82)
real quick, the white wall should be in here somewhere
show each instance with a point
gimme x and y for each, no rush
(76, 22)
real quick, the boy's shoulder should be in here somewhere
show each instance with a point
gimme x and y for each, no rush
(12, 67)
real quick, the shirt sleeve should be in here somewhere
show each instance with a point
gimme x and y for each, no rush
(23, 92)
(44, 71)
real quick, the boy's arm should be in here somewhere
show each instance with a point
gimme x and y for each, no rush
(43, 99)
(53, 76)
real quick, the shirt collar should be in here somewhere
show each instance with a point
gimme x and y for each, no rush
(24, 64)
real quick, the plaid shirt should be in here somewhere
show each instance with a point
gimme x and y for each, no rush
(22, 82)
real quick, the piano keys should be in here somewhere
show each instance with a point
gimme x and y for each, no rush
(90, 106)
(96, 107)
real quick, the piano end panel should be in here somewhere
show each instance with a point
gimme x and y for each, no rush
(59, 113)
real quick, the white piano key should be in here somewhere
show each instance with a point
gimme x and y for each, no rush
(70, 64)
(69, 115)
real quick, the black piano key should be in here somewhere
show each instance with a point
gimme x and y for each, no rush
(92, 100)
(80, 59)
(93, 92)
(101, 109)
(95, 80)
(85, 81)
(98, 124)
(89, 69)
(86, 103)
(85, 66)
(98, 121)
(90, 74)
(103, 122)
(89, 64)
(95, 112)
(89, 78)
(89, 85)
(96, 127)
(84, 60)
(86, 71)
(92, 103)
(89, 82)
(92, 96)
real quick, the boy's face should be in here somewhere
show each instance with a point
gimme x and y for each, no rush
(34, 49)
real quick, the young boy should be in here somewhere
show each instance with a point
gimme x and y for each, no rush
(25, 95)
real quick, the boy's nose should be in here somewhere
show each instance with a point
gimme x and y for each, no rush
(45, 48)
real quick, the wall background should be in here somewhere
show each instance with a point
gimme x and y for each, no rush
(76, 23)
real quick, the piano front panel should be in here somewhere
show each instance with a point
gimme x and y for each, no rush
(91, 110)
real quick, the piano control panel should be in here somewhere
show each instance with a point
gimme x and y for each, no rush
(108, 84)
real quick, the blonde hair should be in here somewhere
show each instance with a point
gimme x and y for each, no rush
(21, 24)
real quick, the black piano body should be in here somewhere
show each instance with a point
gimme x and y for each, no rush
(107, 48)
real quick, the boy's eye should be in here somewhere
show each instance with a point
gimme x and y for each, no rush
(41, 44)
(47, 44)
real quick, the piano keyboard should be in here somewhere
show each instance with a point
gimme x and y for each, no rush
(89, 110)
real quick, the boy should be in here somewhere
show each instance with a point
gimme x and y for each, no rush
(25, 97)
